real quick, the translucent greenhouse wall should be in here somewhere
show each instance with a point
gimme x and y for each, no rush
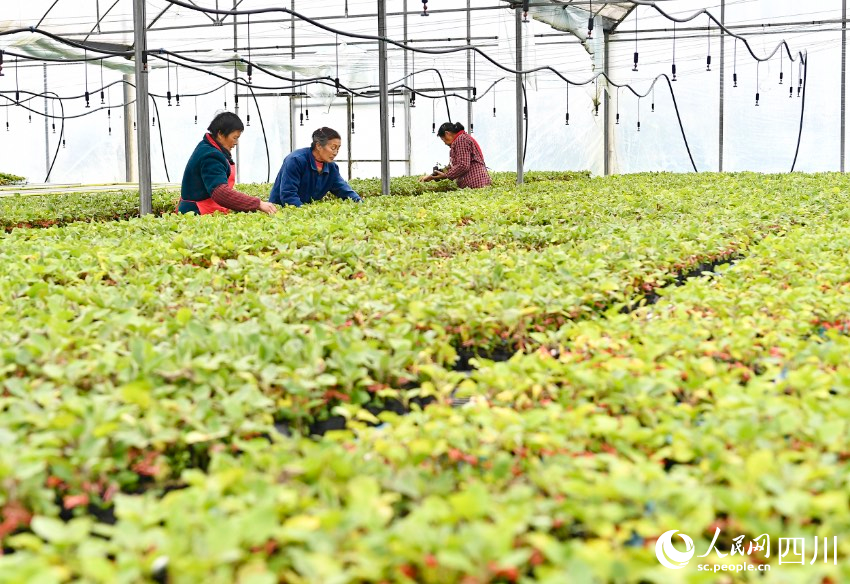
(756, 138)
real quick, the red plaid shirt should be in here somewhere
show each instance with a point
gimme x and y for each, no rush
(468, 167)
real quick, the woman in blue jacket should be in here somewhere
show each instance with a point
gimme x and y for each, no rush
(308, 174)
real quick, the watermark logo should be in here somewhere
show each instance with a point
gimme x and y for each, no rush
(791, 551)
(669, 556)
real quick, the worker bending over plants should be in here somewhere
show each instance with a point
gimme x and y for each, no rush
(210, 174)
(467, 166)
(308, 174)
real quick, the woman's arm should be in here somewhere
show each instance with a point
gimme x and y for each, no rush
(234, 200)
(341, 188)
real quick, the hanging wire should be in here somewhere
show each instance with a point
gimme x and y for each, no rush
(307, 106)
(735, 66)
(800, 79)
(224, 89)
(638, 115)
(791, 81)
(250, 63)
(168, 73)
(781, 67)
(336, 47)
(86, 68)
(109, 108)
(674, 51)
(568, 104)
(196, 110)
(636, 41)
(590, 21)
(177, 78)
(17, 85)
(101, 82)
(708, 58)
(494, 102)
(248, 113)
(758, 75)
(597, 99)
(433, 116)
(653, 98)
(618, 106)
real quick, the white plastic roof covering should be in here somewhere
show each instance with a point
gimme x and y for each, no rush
(757, 138)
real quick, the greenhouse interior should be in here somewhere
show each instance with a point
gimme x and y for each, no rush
(490, 291)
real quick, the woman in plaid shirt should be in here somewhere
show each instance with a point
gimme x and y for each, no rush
(467, 161)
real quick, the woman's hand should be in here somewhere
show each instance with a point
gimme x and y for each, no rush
(439, 175)
(268, 208)
(426, 178)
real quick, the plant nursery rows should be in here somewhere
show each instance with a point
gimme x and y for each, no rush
(533, 383)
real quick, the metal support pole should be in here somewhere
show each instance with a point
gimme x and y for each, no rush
(408, 145)
(520, 123)
(722, 121)
(384, 98)
(235, 77)
(142, 108)
(46, 127)
(349, 102)
(607, 112)
(131, 160)
(843, 84)
(469, 65)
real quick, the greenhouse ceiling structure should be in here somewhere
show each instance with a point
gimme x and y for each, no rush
(543, 84)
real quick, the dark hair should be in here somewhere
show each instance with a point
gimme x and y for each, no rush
(225, 124)
(450, 127)
(324, 135)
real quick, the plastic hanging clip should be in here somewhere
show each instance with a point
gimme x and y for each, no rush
(618, 119)
(638, 126)
(758, 95)
(249, 120)
(433, 127)
(102, 100)
(674, 72)
(708, 63)
(636, 61)
(87, 99)
(781, 77)
(424, 7)
(568, 119)
(590, 28)
(734, 80)
(168, 97)
(178, 100)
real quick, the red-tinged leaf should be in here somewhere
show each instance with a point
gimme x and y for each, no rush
(73, 501)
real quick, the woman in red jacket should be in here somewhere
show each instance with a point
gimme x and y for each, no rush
(211, 173)
(467, 161)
